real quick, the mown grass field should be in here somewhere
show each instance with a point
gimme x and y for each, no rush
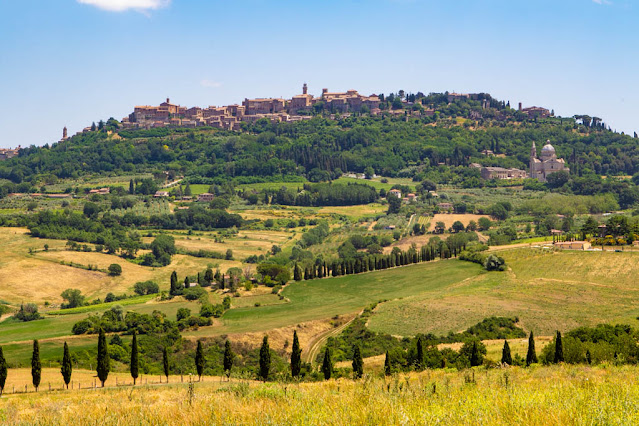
(548, 291)
(558, 395)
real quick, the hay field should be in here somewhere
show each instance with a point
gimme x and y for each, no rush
(558, 395)
(547, 291)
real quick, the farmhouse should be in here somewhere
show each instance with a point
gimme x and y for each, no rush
(205, 197)
(396, 192)
(573, 245)
(160, 194)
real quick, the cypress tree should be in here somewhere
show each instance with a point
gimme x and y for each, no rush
(505, 354)
(131, 187)
(358, 363)
(588, 357)
(36, 366)
(208, 276)
(174, 284)
(420, 354)
(531, 356)
(228, 359)
(165, 363)
(265, 359)
(296, 356)
(199, 359)
(297, 272)
(3, 371)
(475, 358)
(387, 365)
(104, 361)
(559, 349)
(135, 363)
(186, 282)
(67, 367)
(327, 364)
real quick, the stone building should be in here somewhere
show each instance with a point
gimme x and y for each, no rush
(546, 164)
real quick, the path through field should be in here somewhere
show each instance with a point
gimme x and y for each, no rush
(309, 354)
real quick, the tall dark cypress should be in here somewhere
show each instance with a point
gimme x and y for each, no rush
(358, 363)
(228, 358)
(3, 371)
(559, 349)
(531, 356)
(297, 272)
(135, 362)
(174, 284)
(387, 365)
(420, 354)
(327, 364)
(165, 363)
(475, 358)
(265, 359)
(199, 359)
(36, 366)
(67, 366)
(104, 361)
(131, 187)
(296, 356)
(506, 358)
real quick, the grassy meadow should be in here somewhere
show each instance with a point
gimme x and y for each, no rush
(546, 290)
(559, 395)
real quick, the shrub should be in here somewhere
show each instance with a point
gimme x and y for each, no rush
(28, 312)
(146, 287)
(115, 270)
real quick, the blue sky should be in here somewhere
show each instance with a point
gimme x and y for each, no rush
(71, 62)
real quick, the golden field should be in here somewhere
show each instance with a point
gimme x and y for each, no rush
(559, 395)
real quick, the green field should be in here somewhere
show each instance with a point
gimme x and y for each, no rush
(548, 291)
(321, 299)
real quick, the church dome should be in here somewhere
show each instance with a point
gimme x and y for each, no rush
(548, 148)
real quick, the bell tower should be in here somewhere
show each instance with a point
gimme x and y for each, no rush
(305, 89)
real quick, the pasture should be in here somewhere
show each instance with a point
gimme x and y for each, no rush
(548, 291)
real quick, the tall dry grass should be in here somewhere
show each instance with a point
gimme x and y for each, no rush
(542, 395)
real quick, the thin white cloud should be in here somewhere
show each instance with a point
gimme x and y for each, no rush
(210, 83)
(606, 2)
(123, 5)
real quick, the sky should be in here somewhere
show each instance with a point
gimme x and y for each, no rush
(74, 62)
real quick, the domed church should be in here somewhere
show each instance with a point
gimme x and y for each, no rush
(546, 164)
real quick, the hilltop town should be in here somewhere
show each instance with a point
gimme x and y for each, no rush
(298, 108)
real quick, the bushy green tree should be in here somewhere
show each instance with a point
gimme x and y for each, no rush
(67, 367)
(296, 356)
(265, 359)
(36, 366)
(104, 361)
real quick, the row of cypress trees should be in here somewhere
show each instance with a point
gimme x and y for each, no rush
(531, 355)
(374, 262)
(103, 364)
